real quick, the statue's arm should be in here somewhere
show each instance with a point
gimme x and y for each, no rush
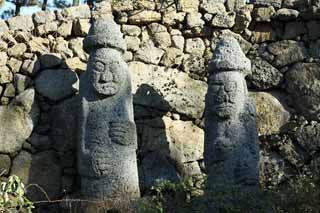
(123, 132)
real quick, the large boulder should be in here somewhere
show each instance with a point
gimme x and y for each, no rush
(303, 85)
(23, 23)
(164, 89)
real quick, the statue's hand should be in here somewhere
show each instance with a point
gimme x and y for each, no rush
(123, 132)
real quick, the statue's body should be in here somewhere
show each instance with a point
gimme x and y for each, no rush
(107, 144)
(231, 138)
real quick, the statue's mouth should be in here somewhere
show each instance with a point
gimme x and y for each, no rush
(106, 88)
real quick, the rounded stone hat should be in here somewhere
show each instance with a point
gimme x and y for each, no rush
(104, 32)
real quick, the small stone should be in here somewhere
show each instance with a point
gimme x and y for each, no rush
(189, 6)
(3, 58)
(131, 30)
(65, 29)
(39, 45)
(224, 20)
(285, 14)
(81, 12)
(208, 17)
(274, 3)
(122, 6)
(149, 55)
(133, 43)
(173, 18)
(9, 39)
(212, 7)
(30, 67)
(21, 82)
(162, 40)
(62, 47)
(242, 21)
(195, 65)
(42, 17)
(14, 64)
(262, 33)
(23, 23)
(17, 50)
(121, 18)
(3, 26)
(235, 5)
(47, 28)
(127, 56)
(144, 17)
(157, 28)
(5, 75)
(172, 57)
(76, 45)
(57, 84)
(195, 46)
(194, 20)
(178, 42)
(81, 27)
(3, 46)
(10, 91)
(22, 36)
(76, 65)
(263, 14)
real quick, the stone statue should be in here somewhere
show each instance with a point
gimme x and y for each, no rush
(107, 141)
(231, 138)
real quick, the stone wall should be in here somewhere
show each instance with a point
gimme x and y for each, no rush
(169, 49)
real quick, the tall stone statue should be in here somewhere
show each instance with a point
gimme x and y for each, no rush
(231, 138)
(107, 140)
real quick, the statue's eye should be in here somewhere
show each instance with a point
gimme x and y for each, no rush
(231, 86)
(98, 66)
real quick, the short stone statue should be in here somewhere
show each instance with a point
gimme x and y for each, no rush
(107, 141)
(231, 138)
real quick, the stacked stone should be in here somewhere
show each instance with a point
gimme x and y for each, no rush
(169, 48)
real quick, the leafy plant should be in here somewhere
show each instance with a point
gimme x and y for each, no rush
(12, 195)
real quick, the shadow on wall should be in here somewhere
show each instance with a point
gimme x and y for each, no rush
(46, 163)
(153, 148)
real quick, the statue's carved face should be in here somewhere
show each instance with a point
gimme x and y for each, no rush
(227, 94)
(105, 74)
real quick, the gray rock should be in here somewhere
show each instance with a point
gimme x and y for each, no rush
(224, 20)
(3, 26)
(42, 17)
(132, 42)
(5, 75)
(285, 14)
(157, 28)
(39, 45)
(144, 17)
(162, 40)
(242, 21)
(264, 75)
(263, 33)
(287, 52)
(178, 91)
(23, 23)
(263, 14)
(195, 46)
(314, 49)
(195, 65)
(149, 54)
(17, 50)
(42, 169)
(3, 46)
(231, 151)
(50, 60)
(17, 122)
(30, 67)
(229, 56)
(308, 137)
(178, 41)
(235, 5)
(57, 84)
(107, 161)
(131, 30)
(62, 47)
(5, 164)
(303, 83)
(295, 4)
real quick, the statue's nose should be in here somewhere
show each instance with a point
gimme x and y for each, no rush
(106, 77)
(222, 96)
